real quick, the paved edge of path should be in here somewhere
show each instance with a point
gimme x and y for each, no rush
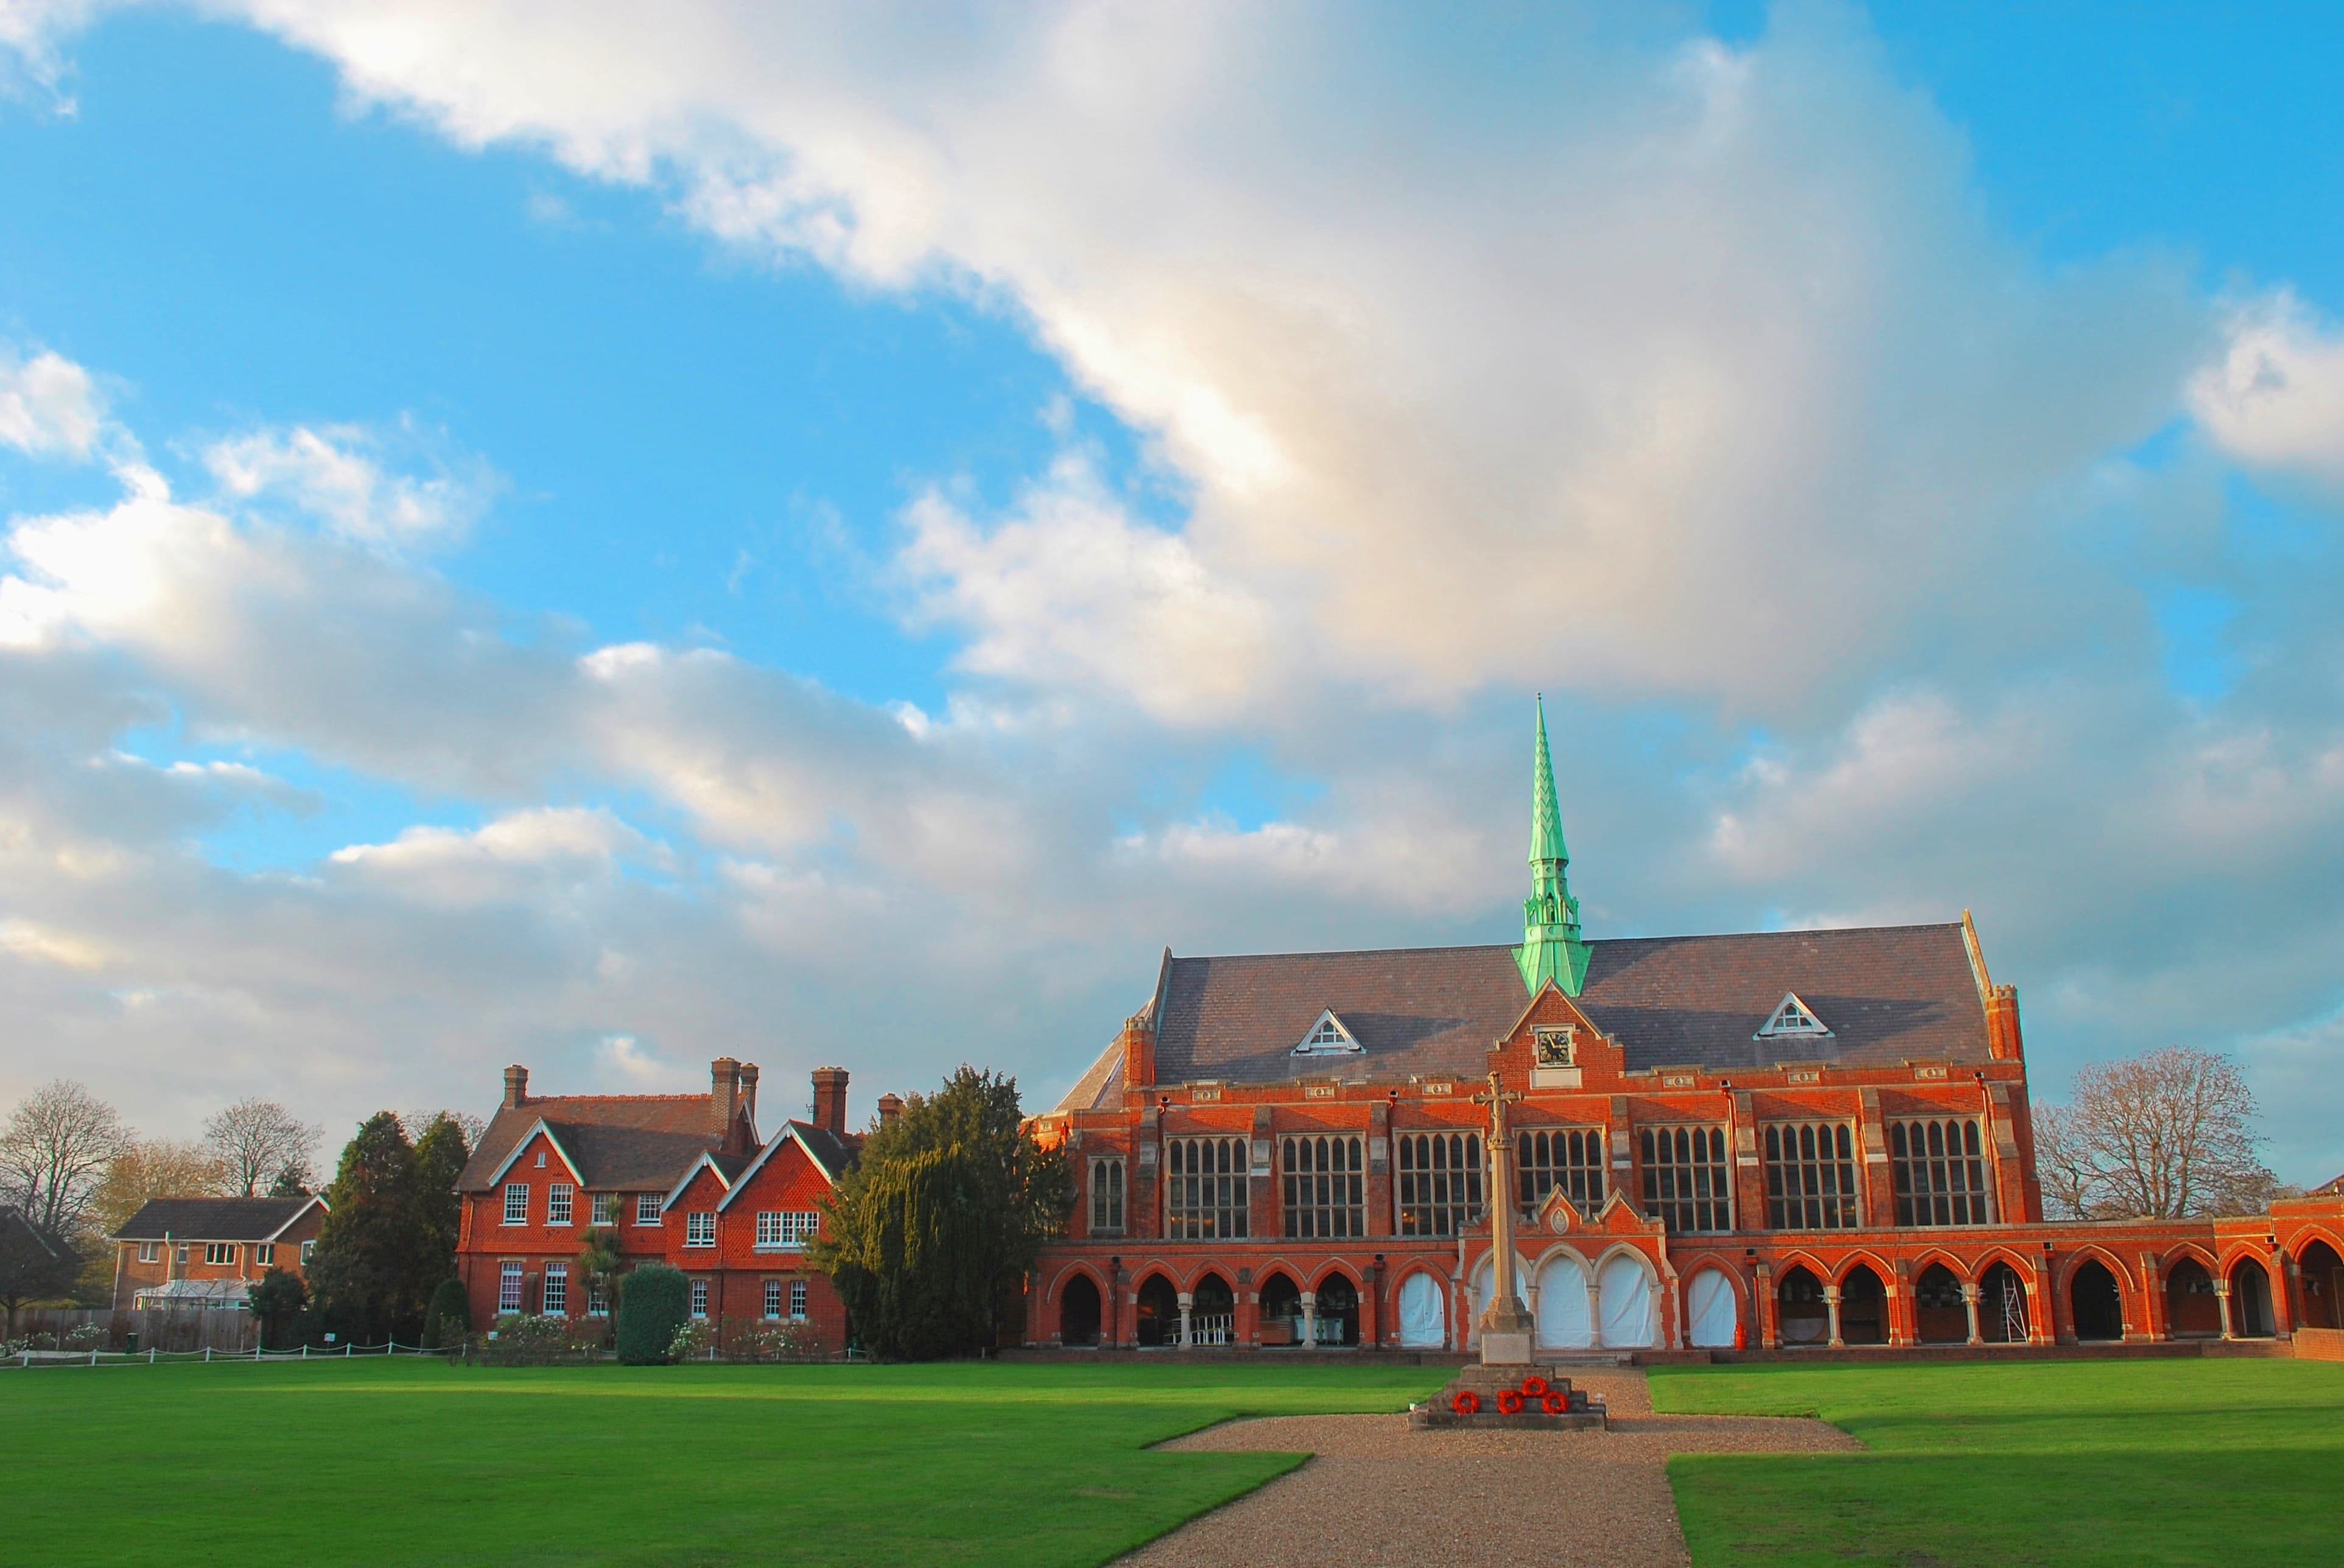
(1373, 1491)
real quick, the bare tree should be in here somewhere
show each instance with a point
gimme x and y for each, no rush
(57, 1144)
(152, 1168)
(256, 1141)
(2161, 1135)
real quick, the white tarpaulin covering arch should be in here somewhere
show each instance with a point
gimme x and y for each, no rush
(1627, 1296)
(1563, 1319)
(1423, 1312)
(1711, 1312)
(1484, 1283)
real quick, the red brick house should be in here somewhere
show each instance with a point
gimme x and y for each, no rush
(179, 1253)
(1775, 1139)
(680, 1178)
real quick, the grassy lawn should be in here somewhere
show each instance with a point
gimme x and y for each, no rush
(2002, 1463)
(412, 1461)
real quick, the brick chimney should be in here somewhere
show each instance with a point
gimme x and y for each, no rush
(891, 1106)
(723, 1097)
(830, 1099)
(749, 1091)
(516, 1086)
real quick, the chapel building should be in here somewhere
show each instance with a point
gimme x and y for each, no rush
(1759, 1140)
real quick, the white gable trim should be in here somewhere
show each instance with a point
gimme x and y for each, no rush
(708, 1161)
(1327, 1036)
(521, 1145)
(1793, 1018)
(788, 1134)
(317, 1200)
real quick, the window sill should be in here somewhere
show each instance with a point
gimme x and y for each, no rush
(779, 1247)
(703, 1245)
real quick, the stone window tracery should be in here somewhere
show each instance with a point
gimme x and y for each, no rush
(1440, 1182)
(1205, 1194)
(1940, 1169)
(1570, 1157)
(1811, 1176)
(1326, 1186)
(1687, 1182)
(1106, 1197)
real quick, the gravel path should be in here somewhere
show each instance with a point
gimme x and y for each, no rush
(1376, 1492)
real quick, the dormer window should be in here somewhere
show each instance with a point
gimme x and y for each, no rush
(1793, 1019)
(1328, 1037)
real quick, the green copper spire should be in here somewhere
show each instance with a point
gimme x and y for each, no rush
(1550, 946)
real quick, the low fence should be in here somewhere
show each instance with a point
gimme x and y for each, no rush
(30, 1360)
(136, 1329)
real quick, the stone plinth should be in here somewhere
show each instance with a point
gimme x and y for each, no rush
(1488, 1382)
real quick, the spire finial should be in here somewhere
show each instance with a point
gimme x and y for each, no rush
(1552, 949)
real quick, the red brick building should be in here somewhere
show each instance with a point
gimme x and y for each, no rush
(680, 1178)
(182, 1253)
(1779, 1138)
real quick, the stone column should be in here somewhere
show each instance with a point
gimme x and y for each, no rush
(1831, 1304)
(1506, 1328)
(2222, 1300)
(1969, 1305)
(1310, 1319)
(1187, 1301)
(2286, 1284)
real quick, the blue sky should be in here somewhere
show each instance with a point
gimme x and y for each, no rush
(805, 517)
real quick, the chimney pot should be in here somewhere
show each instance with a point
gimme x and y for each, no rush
(749, 1091)
(891, 1106)
(830, 1099)
(516, 1086)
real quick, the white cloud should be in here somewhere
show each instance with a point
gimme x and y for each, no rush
(1071, 590)
(337, 477)
(1704, 332)
(2275, 399)
(48, 406)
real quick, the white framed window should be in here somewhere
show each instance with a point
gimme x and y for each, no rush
(179, 1254)
(150, 1251)
(1328, 1035)
(772, 1298)
(606, 1208)
(516, 1202)
(647, 1208)
(219, 1254)
(1106, 1197)
(797, 1300)
(508, 1288)
(263, 1255)
(700, 1229)
(598, 1299)
(1793, 1017)
(541, 1160)
(557, 1290)
(700, 1298)
(306, 1248)
(559, 1197)
(786, 1227)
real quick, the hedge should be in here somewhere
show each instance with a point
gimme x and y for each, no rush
(654, 1306)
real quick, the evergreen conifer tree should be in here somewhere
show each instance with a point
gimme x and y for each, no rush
(441, 1154)
(375, 1265)
(931, 1234)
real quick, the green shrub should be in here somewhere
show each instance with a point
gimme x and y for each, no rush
(449, 1317)
(654, 1306)
(693, 1342)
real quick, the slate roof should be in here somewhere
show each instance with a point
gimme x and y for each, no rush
(211, 1218)
(1888, 993)
(624, 1142)
(835, 1153)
